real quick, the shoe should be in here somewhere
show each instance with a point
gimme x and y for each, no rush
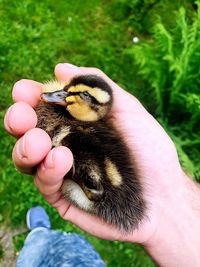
(37, 217)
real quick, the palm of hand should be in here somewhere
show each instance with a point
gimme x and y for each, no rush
(151, 150)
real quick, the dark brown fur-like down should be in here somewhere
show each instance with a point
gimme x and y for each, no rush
(93, 142)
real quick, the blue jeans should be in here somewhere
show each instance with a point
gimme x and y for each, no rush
(48, 248)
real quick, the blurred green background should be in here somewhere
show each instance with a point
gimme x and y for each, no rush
(160, 67)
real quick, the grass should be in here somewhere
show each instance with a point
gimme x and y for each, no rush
(34, 37)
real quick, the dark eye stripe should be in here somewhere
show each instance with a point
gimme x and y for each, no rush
(73, 93)
(85, 96)
(85, 93)
(92, 98)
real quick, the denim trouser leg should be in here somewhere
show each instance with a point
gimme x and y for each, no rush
(48, 248)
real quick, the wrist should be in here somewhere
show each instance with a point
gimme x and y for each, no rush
(176, 240)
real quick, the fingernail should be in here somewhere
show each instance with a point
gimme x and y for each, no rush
(49, 161)
(7, 119)
(21, 148)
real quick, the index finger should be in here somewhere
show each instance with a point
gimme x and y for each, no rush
(28, 91)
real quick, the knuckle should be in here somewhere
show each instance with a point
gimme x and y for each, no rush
(92, 70)
(43, 189)
(46, 189)
(63, 211)
(97, 71)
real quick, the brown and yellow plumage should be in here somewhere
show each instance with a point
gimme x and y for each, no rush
(103, 180)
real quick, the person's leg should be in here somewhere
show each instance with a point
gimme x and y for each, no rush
(45, 248)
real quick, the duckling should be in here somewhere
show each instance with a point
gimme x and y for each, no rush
(103, 180)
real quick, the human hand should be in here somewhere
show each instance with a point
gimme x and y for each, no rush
(151, 149)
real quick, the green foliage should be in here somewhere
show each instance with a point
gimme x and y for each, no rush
(133, 12)
(141, 15)
(162, 70)
(34, 37)
(1, 252)
(18, 241)
(169, 67)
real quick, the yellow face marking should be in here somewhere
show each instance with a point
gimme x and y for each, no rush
(100, 95)
(112, 173)
(71, 98)
(82, 112)
(80, 109)
(79, 88)
(53, 86)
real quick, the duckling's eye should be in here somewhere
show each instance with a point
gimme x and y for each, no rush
(85, 95)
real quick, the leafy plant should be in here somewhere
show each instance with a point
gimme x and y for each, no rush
(141, 15)
(169, 67)
(34, 37)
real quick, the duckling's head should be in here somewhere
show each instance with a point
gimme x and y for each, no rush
(86, 98)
